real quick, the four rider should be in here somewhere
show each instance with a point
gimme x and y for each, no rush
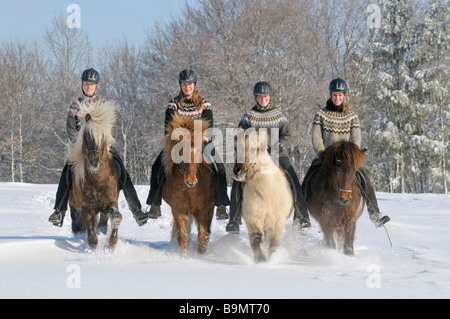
(333, 123)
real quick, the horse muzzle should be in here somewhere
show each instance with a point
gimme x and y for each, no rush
(191, 184)
(345, 196)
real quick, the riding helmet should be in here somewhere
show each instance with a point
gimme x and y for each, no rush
(91, 75)
(187, 75)
(262, 88)
(338, 85)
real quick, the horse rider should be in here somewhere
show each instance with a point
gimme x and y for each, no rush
(265, 115)
(188, 103)
(337, 122)
(90, 79)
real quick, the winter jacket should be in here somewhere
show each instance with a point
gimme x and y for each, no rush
(331, 125)
(72, 119)
(269, 117)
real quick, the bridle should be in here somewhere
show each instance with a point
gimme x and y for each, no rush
(87, 152)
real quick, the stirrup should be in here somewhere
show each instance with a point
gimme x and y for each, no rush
(141, 217)
(56, 218)
(155, 212)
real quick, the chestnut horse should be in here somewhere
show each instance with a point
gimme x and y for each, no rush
(95, 187)
(188, 186)
(267, 199)
(336, 202)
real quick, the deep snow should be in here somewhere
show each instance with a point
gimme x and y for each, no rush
(38, 260)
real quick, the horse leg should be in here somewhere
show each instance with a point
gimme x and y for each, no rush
(77, 221)
(103, 223)
(89, 222)
(349, 237)
(202, 239)
(257, 244)
(116, 219)
(328, 236)
(180, 221)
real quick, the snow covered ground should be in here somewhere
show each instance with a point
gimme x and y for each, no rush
(38, 260)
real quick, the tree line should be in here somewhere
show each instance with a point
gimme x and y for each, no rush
(398, 72)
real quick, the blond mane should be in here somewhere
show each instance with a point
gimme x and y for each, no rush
(100, 128)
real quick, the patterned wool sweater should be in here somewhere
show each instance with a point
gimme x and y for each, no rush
(203, 112)
(331, 125)
(269, 117)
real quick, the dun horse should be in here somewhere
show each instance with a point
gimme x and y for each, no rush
(94, 187)
(336, 202)
(188, 187)
(267, 197)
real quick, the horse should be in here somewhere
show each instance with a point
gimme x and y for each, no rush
(336, 201)
(95, 187)
(267, 199)
(188, 185)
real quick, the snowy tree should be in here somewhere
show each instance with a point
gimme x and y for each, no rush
(407, 129)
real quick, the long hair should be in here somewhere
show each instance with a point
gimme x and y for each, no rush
(196, 97)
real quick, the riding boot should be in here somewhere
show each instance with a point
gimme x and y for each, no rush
(129, 191)
(368, 192)
(301, 216)
(62, 197)
(235, 208)
(154, 197)
(221, 190)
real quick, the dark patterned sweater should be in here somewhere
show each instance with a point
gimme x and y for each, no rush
(268, 118)
(203, 112)
(331, 125)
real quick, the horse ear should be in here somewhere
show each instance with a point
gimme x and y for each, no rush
(87, 117)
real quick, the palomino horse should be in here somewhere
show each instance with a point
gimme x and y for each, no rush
(336, 202)
(188, 185)
(95, 186)
(267, 199)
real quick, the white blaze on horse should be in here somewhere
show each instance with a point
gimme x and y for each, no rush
(267, 197)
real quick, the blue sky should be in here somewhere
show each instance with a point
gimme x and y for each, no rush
(103, 21)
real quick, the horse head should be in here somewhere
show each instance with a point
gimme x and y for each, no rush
(184, 144)
(343, 160)
(90, 151)
(251, 153)
(95, 151)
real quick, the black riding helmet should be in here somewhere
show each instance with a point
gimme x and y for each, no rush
(262, 88)
(338, 85)
(91, 75)
(187, 75)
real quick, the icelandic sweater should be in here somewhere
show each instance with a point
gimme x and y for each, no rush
(331, 125)
(269, 117)
(203, 112)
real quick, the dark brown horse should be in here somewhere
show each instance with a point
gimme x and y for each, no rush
(188, 187)
(94, 187)
(336, 202)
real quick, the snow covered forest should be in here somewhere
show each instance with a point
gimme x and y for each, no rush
(394, 54)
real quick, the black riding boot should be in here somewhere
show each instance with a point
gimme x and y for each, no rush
(154, 197)
(221, 191)
(129, 191)
(62, 197)
(368, 192)
(301, 216)
(235, 208)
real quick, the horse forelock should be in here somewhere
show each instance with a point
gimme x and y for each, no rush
(176, 131)
(347, 152)
(99, 127)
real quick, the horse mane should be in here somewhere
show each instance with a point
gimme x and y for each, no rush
(99, 127)
(185, 123)
(347, 152)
